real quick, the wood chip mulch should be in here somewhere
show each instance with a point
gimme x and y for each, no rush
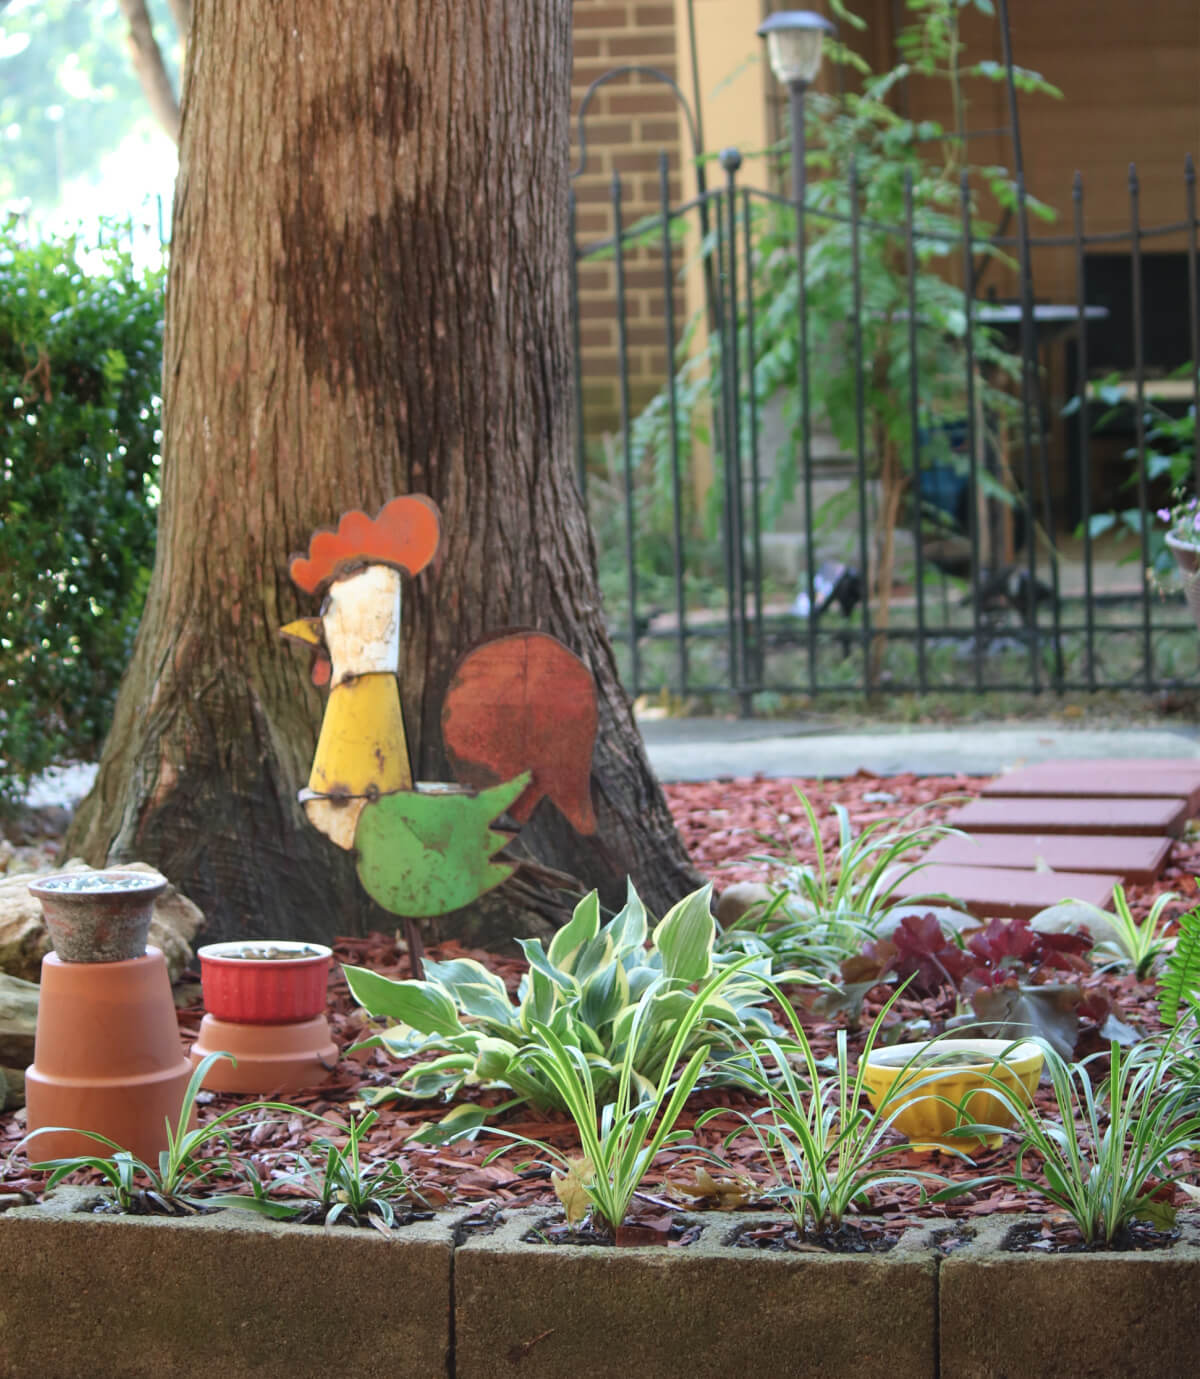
(722, 824)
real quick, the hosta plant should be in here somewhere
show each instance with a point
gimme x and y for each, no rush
(824, 911)
(587, 987)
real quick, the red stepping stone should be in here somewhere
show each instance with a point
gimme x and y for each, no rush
(1110, 816)
(1002, 893)
(1133, 859)
(1139, 777)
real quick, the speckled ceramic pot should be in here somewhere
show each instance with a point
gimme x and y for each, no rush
(98, 916)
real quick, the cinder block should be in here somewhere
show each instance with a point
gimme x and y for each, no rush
(705, 1311)
(1068, 1316)
(221, 1296)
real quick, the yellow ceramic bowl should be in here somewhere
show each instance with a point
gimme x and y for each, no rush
(928, 1121)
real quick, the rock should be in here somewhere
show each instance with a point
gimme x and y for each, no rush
(15, 1078)
(740, 898)
(1072, 916)
(18, 1020)
(952, 921)
(23, 938)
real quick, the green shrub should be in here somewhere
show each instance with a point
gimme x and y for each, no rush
(80, 372)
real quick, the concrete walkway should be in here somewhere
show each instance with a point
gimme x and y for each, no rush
(721, 748)
(713, 748)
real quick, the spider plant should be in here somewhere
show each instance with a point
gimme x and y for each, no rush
(1134, 1121)
(183, 1167)
(823, 912)
(1134, 945)
(339, 1185)
(819, 1132)
(619, 1139)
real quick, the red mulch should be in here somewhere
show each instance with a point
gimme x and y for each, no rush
(722, 823)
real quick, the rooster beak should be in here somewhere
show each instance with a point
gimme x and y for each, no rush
(306, 630)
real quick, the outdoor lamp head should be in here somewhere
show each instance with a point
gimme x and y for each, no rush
(794, 39)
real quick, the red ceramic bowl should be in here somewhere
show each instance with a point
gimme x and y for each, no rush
(264, 991)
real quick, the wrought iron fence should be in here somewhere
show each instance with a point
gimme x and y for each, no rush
(1025, 434)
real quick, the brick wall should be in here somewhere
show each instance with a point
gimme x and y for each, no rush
(628, 121)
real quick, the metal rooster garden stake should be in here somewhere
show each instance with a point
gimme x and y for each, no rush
(518, 723)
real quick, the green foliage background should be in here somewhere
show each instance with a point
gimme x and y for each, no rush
(80, 371)
(68, 93)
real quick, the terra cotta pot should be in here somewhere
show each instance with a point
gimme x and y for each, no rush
(107, 1057)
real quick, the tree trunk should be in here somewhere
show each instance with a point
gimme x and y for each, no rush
(148, 65)
(368, 295)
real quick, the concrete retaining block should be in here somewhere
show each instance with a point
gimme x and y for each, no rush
(1008, 1315)
(702, 1311)
(219, 1296)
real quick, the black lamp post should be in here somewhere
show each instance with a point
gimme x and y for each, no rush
(794, 41)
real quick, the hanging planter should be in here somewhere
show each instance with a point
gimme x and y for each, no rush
(98, 916)
(1187, 560)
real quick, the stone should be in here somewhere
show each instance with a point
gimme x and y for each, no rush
(952, 921)
(18, 1020)
(1072, 916)
(15, 1080)
(738, 900)
(24, 941)
(225, 1295)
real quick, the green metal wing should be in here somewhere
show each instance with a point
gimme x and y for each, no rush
(422, 854)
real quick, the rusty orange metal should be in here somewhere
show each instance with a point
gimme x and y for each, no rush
(404, 535)
(520, 702)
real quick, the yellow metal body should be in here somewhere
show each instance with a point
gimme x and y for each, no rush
(362, 749)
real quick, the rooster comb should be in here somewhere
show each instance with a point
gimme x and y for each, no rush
(404, 535)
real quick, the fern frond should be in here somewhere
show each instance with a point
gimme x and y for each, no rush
(1181, 976)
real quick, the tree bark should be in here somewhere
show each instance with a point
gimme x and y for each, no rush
(148, 65)
(368, 295)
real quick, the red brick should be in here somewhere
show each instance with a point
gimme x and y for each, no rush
(1141, 817)
(1134, 859)
(660, 131)
(610, 17)
(1000, 893)
(1116, 779)
(642, 102)
(640, 47)
(651, 15)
